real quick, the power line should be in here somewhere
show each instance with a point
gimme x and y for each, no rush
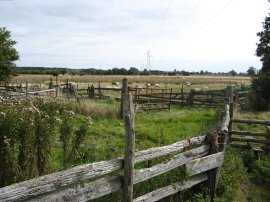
(187, 18)
(148, 62)
(160, 25)
(205, 24)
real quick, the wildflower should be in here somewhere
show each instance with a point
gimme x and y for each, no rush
(88, 121)
(6, 140)
(70, 113)
(58, 120)
(3, 114)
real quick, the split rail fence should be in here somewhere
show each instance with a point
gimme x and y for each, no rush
(259, 142)
(93, 180)
(145, 99)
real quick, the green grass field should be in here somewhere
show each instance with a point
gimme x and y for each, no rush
(105, 136)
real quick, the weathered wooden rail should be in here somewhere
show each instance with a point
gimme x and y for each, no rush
(151, 99)
(39, 93)
(242, 99)
(257, 141)
(93, 180)
(206, 97)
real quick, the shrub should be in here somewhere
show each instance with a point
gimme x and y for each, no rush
(230, 180)
(26, 135)
(261, 86)
(259, 169)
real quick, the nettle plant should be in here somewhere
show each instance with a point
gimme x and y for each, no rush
(27, 134)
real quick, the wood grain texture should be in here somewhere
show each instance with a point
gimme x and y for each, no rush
(251, 121)
(157, 152)
(83, 191)
(248, 133)
(129, 152)
(178, 160)
(205, 163)
(224, 125)
(249, 140)
(53, 182)
(171, 189)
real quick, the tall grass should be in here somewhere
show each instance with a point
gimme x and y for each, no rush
(103, 109)
(73, 142)
(89, 79)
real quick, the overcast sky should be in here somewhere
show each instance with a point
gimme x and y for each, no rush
(193, 35)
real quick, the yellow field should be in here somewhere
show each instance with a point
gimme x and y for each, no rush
(211, 82)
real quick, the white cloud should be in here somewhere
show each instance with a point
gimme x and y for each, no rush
(108, 33)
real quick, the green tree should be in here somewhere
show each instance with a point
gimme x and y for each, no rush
(233, 73)
(261, 83)
(133, 71)
(63, 71)
(263, 47)
(261, 86)
(8, 55)
(251, 71)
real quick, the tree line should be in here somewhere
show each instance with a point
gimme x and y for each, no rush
(55, 71)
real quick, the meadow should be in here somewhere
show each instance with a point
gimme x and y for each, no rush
(41, 137)
(95, 132)
(211, 82)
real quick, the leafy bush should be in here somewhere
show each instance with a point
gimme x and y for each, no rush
(28, 133)
(259, 169)
(261, 86)
(262, 171)
(232, 175)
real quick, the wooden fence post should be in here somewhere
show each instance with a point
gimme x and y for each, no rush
(170, 99)
(218, 142)
(57, 88)
(214, 148)
(267, 138)
(182, 93)
(190, 98)
(231, 117)
(67, 86)
(236, 106)
(99, 90)
(51, 83)
(56, 91)
(91, 91)
(230, 93)
(124, 91)
(129, 147)
(26, 89)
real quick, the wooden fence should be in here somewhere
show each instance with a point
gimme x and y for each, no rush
(257, 141)
(211, 98)
(155, 98)
(202, 163)
(242, 99)
(151, 99)
(145, 99)
(27, 93)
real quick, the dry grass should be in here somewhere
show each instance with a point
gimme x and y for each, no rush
(135, 79)
(253, 115)
(164, 81)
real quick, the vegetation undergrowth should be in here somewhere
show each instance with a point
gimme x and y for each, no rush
(28, 135)
(39, 137)
(243, 177)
